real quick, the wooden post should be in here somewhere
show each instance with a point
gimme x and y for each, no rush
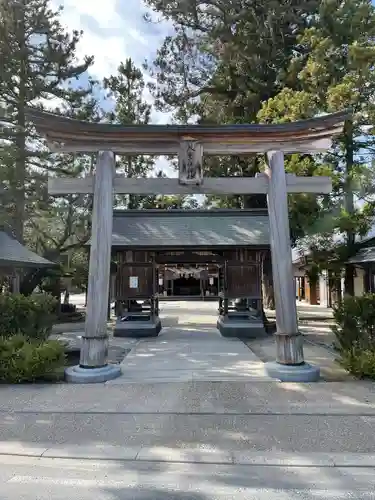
(94, 348)
(289, 341)
(16, 282)
(313, 286)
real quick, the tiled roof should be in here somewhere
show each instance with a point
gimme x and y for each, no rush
(363, 255)
(298, 253)
(369, 236)
(187, 228)
(13, 254)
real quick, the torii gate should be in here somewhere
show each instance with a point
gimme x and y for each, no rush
(190, 143)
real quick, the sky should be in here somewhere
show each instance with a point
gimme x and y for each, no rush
(114, 30)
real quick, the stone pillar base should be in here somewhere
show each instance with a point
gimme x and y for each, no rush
(78, 375)
(230, 326)
(292, 373)
(140, 327)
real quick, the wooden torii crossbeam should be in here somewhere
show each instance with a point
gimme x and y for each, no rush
(68, 135)
(214, 185)
(190, 143)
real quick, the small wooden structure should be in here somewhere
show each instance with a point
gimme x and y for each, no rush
(14, 257)
(150, 246)
(190, 143)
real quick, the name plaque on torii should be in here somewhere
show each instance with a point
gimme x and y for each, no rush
(190, 143)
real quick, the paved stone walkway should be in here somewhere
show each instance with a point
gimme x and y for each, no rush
(190, 348)
(308, 312)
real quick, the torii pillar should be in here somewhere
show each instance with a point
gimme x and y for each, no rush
(93, 366)
(289, 365)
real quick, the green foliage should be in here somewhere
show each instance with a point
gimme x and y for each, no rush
(38, 57)
(355, 322)
(332, 70)
(359, 362)
(354, 328)
(31, 316)
(126, 88)
(288, 105)
(25, 360)
(79, 269)
(222, 62)
(224, 59)
(38, 64)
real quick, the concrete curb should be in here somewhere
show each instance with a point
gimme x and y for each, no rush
(176, 455)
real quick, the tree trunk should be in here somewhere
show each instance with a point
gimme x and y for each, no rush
(19, 196)
(349, 280)
(335, 288)
(267, 282)
(33, 278)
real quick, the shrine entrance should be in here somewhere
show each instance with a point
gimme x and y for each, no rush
(190, 143)
(221, 263)
(189, 275)
(185, 282)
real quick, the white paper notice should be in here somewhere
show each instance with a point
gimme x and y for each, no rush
(133, 282)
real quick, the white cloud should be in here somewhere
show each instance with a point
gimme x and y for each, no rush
(96, 20)
(114, 30)
(163, 164)
(111, 33)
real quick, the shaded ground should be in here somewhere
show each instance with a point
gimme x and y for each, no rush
(264, 432)
(192, 349)
(309, 312)
(62, 479)
(219, 417)
(318, 332)
(321, 417)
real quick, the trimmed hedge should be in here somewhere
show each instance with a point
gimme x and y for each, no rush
(354, 329)
(32, 316)
(26, 360)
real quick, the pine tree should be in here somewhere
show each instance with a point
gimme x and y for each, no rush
(126, 89)
(226, 57)
(37, 61)
(224, 60)
(334, 71)
(59, 226)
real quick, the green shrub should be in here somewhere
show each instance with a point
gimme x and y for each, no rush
(360, 362)
(32, 316)
(354, 321)
(27, 360)
(354, 329)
